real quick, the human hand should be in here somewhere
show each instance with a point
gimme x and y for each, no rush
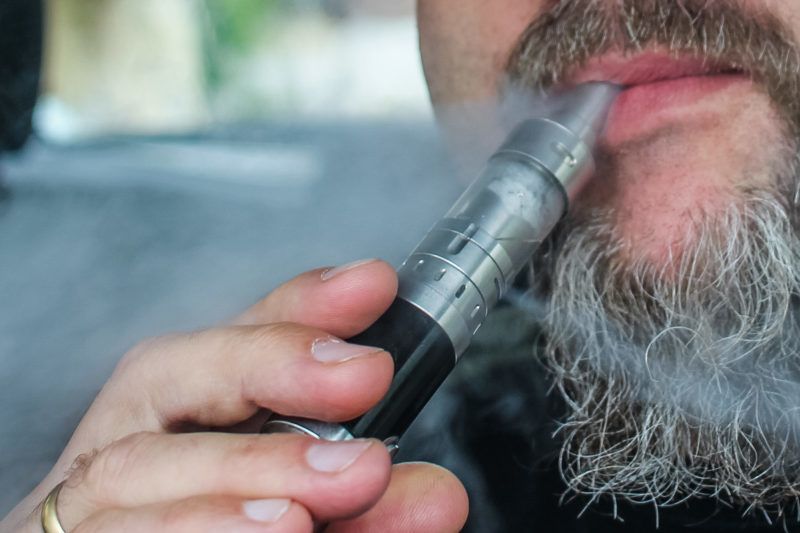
(168, 445)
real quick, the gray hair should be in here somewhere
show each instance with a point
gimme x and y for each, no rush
(682, 379)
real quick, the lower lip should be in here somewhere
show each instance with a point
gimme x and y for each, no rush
(643, 109)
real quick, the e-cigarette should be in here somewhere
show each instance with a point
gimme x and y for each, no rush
(464, 265)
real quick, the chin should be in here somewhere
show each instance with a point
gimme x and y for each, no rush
(658, 188)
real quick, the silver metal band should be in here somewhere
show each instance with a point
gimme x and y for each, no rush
(311, 428)
(320, 430)
(562, 153)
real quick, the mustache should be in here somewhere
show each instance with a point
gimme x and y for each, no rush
(571, 32)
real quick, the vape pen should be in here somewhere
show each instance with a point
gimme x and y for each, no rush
(462, 268)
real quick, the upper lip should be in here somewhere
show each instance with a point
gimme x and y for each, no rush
(648, 67)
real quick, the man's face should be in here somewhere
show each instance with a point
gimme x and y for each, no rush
(678, 148)
(673, 330)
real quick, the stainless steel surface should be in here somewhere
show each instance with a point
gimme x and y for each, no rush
(311, 428)
(392, 445)
(463, 266)
(583, 109)
(562, 139)
(559, 152)
(320, 430)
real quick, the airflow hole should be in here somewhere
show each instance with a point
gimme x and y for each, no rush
(460, 291)
(440, 274)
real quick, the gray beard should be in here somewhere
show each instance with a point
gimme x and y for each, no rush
(682, 380)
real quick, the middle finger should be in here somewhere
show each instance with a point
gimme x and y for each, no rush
(220, 377)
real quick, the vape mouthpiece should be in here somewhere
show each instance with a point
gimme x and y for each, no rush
(562, 139)
(583, 110)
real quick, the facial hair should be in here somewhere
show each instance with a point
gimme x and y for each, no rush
(720, 31)
(681, 379)
(688, 384)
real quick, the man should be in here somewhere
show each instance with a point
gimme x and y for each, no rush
(671, 332)
(672, 328)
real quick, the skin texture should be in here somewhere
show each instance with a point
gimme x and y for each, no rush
(163, 446)
(133, 463)
(705, 149)
(465, 44)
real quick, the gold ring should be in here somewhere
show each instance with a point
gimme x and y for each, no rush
(50, 522)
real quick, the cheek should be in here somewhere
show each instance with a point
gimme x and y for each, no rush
(660, 187)
(465, 44)
(787, 11)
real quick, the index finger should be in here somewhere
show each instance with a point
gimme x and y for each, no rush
(342, 301)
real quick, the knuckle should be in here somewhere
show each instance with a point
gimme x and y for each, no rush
(282, 330)
(252, 453)
(142, 352)
(178, 516)
(100, 522)
(116, 464)
(87, 526)
(267, 337)
(80, 465)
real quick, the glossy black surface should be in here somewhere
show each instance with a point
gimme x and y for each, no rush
(423, 356)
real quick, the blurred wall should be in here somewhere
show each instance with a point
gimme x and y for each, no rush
(165, 66)
(348, 58)
(385, 8)
(123, 66)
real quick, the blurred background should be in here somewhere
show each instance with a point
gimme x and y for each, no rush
(186, 157)
(149, 66)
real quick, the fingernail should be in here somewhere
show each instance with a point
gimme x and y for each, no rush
(333, 272)
(266, 510)
(337, 351)
(335, 456)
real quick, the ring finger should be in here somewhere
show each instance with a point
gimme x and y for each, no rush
(203, 514)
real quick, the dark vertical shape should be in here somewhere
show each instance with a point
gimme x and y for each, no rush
(21, 38)
(423, 357)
